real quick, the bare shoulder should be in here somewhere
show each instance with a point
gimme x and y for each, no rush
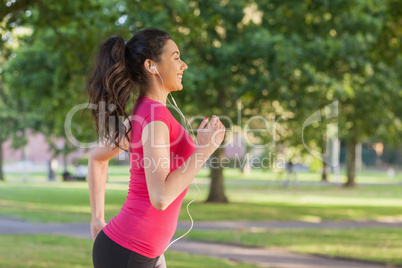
(155, 132)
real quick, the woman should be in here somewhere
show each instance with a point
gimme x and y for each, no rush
(164, 159)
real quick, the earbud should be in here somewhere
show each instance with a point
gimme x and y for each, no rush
(153, 68)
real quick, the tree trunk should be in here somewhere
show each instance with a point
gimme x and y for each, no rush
(216, 191)
(65, 159)
(351, 162)
(324, 172)
(325, 156)
(1, 160)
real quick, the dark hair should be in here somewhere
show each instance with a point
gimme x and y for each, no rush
(119, 71)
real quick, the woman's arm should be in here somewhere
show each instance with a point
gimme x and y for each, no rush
(164, 187)
(98, 162)
(97, 174)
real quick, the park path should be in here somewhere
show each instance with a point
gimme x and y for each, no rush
(225, 225)
(268, 257)
(13, 226)
(258, 256)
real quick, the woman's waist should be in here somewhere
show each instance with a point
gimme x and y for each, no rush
(132, 218)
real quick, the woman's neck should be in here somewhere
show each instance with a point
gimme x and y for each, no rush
(155, 98)
(156, 94)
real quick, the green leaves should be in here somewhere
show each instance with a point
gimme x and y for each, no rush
(301, 55)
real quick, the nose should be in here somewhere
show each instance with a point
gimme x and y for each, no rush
(184, 66)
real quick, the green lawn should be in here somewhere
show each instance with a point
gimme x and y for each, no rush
(251, 198)
(371, 244)
(23, 251)
(375, 177)
(121, 174)
(69, 202)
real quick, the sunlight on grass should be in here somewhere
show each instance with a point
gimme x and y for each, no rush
(25, 251)
(372, 244)
(255, 199)
(69, 202)
(310, 198)
(122, 174)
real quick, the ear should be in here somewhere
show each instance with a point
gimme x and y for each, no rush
(147, 65)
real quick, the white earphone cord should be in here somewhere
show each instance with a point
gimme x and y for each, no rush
(192, 133)
(191, 218)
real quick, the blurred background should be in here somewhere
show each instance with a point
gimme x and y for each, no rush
(309, 92)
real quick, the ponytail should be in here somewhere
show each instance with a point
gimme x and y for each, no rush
(109, 87)
(119, 70)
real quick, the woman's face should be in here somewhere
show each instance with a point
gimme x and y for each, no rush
(171, 67)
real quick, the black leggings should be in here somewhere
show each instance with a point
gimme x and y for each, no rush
(108, 254)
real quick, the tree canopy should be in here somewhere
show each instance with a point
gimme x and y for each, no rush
(278, 58)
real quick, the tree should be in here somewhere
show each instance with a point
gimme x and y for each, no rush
(299, 56)
(332, 56)
(223, 53)
(47, 75)
(11, 120)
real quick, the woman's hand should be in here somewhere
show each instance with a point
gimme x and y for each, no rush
(210, 135)
(96, 227)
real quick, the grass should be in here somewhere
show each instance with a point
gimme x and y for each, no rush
(54, 202)
(370, 244)
(370, 177)
(121, 174)
(62, 251)
(69, 202)
(256, 197)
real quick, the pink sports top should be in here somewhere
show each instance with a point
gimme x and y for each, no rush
(139, 226)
